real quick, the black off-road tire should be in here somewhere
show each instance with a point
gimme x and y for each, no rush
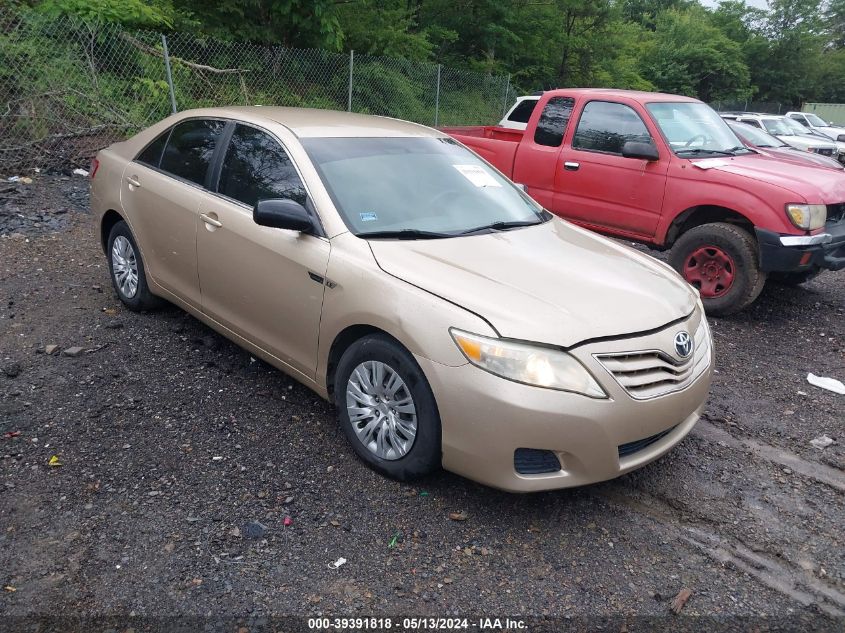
(795, 278)
(740, 247)
(143, 299)
(425, 453)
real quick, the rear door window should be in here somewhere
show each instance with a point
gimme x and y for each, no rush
(552, 124)
(152, 153)
(606, 126)
(256, 167)
(190, 148)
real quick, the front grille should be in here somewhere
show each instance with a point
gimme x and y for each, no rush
(825, 151)
(532, 461)
(653, 373)
(632, 447)
(836, 212)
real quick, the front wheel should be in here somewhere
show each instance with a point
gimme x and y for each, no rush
(386, 408)
(720, 260)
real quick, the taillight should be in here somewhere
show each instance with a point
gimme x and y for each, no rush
(95, 165)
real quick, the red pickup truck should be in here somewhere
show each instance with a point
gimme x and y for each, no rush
(668, 171)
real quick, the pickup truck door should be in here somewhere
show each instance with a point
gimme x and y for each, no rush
(539, 151)
(599, 188)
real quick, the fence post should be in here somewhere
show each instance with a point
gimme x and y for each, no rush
(351, 64)
(507, 90)
(169, 74)
(437, 96)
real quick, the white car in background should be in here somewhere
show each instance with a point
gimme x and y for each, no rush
(814, 122)
(517, 117)
(788, 131)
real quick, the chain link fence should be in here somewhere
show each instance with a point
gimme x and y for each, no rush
(763, 107)
(68, 88)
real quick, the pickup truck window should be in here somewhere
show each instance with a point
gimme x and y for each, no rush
(553, 120)
(605, 127)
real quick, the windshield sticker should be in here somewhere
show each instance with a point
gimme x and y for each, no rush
(710, 163)
(369, 216)
(477, 175)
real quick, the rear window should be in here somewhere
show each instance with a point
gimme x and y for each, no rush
(190, 147)
(522, 112)
(552, 124)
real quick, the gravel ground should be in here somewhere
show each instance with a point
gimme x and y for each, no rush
(196, 481)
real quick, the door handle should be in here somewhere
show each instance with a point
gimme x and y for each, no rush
(571, 166)
(209, 220)
(133, 181)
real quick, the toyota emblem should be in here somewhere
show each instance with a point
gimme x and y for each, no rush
(683, 344)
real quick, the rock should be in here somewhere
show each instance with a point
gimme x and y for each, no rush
(73, 352)
(459, 516)
(114, 325)
(822, 442)
(680, 600)
(254, 530)
(51, 349)
(12, 369)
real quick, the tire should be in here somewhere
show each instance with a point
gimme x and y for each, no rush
(123, 253)
(423, 454)
(720, 259)
(796, 278)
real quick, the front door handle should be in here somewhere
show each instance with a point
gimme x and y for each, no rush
(571, 166)
(133, 181)
(209, 220)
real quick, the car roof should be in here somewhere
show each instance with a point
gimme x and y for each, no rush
(313, 122)
(639, 95)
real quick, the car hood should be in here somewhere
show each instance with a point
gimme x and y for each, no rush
(798, 157)
(816, 186)
(552, 283)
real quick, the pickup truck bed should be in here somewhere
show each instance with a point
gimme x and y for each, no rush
(497, 145)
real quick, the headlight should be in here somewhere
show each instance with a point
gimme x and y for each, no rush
(807, 216)
(528, 364)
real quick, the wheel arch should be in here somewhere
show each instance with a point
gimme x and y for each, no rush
(110, 218)
(343, 340)
(705, 214)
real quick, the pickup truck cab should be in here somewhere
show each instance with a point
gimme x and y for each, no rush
(667, 171)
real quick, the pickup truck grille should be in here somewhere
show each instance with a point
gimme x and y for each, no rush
(654, 373)
(836, 212)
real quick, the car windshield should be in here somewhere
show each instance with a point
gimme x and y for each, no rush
(816, 120)
(694, 129)
(755, 136)
(783, 127)
(417, 188)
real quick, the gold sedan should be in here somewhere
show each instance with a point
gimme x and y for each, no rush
(450, 319)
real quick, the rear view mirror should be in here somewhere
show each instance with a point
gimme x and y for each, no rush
(634, 149)
(282, 214)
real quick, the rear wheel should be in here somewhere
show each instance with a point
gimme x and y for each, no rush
(795, 279)
(386, 408)
(720, 260)
(127, 270)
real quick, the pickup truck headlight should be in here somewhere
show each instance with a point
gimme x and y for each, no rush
(529, 364)
(807, 216)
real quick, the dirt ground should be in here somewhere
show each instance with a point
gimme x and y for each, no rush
(181, 459)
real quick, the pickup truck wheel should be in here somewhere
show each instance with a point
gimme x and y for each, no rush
(795, 279)
(720, 260)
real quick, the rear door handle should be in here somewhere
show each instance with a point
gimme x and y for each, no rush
(209, 220)
(133, 181)
(571, 166)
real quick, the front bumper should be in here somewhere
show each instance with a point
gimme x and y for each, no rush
(485, 419)
(791, 253)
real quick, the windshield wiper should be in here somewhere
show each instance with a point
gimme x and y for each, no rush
(501, 226)
(404, 234)
(699, 150)
(734, 150)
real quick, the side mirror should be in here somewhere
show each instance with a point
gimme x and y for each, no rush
(634, 149)
(282, 214)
